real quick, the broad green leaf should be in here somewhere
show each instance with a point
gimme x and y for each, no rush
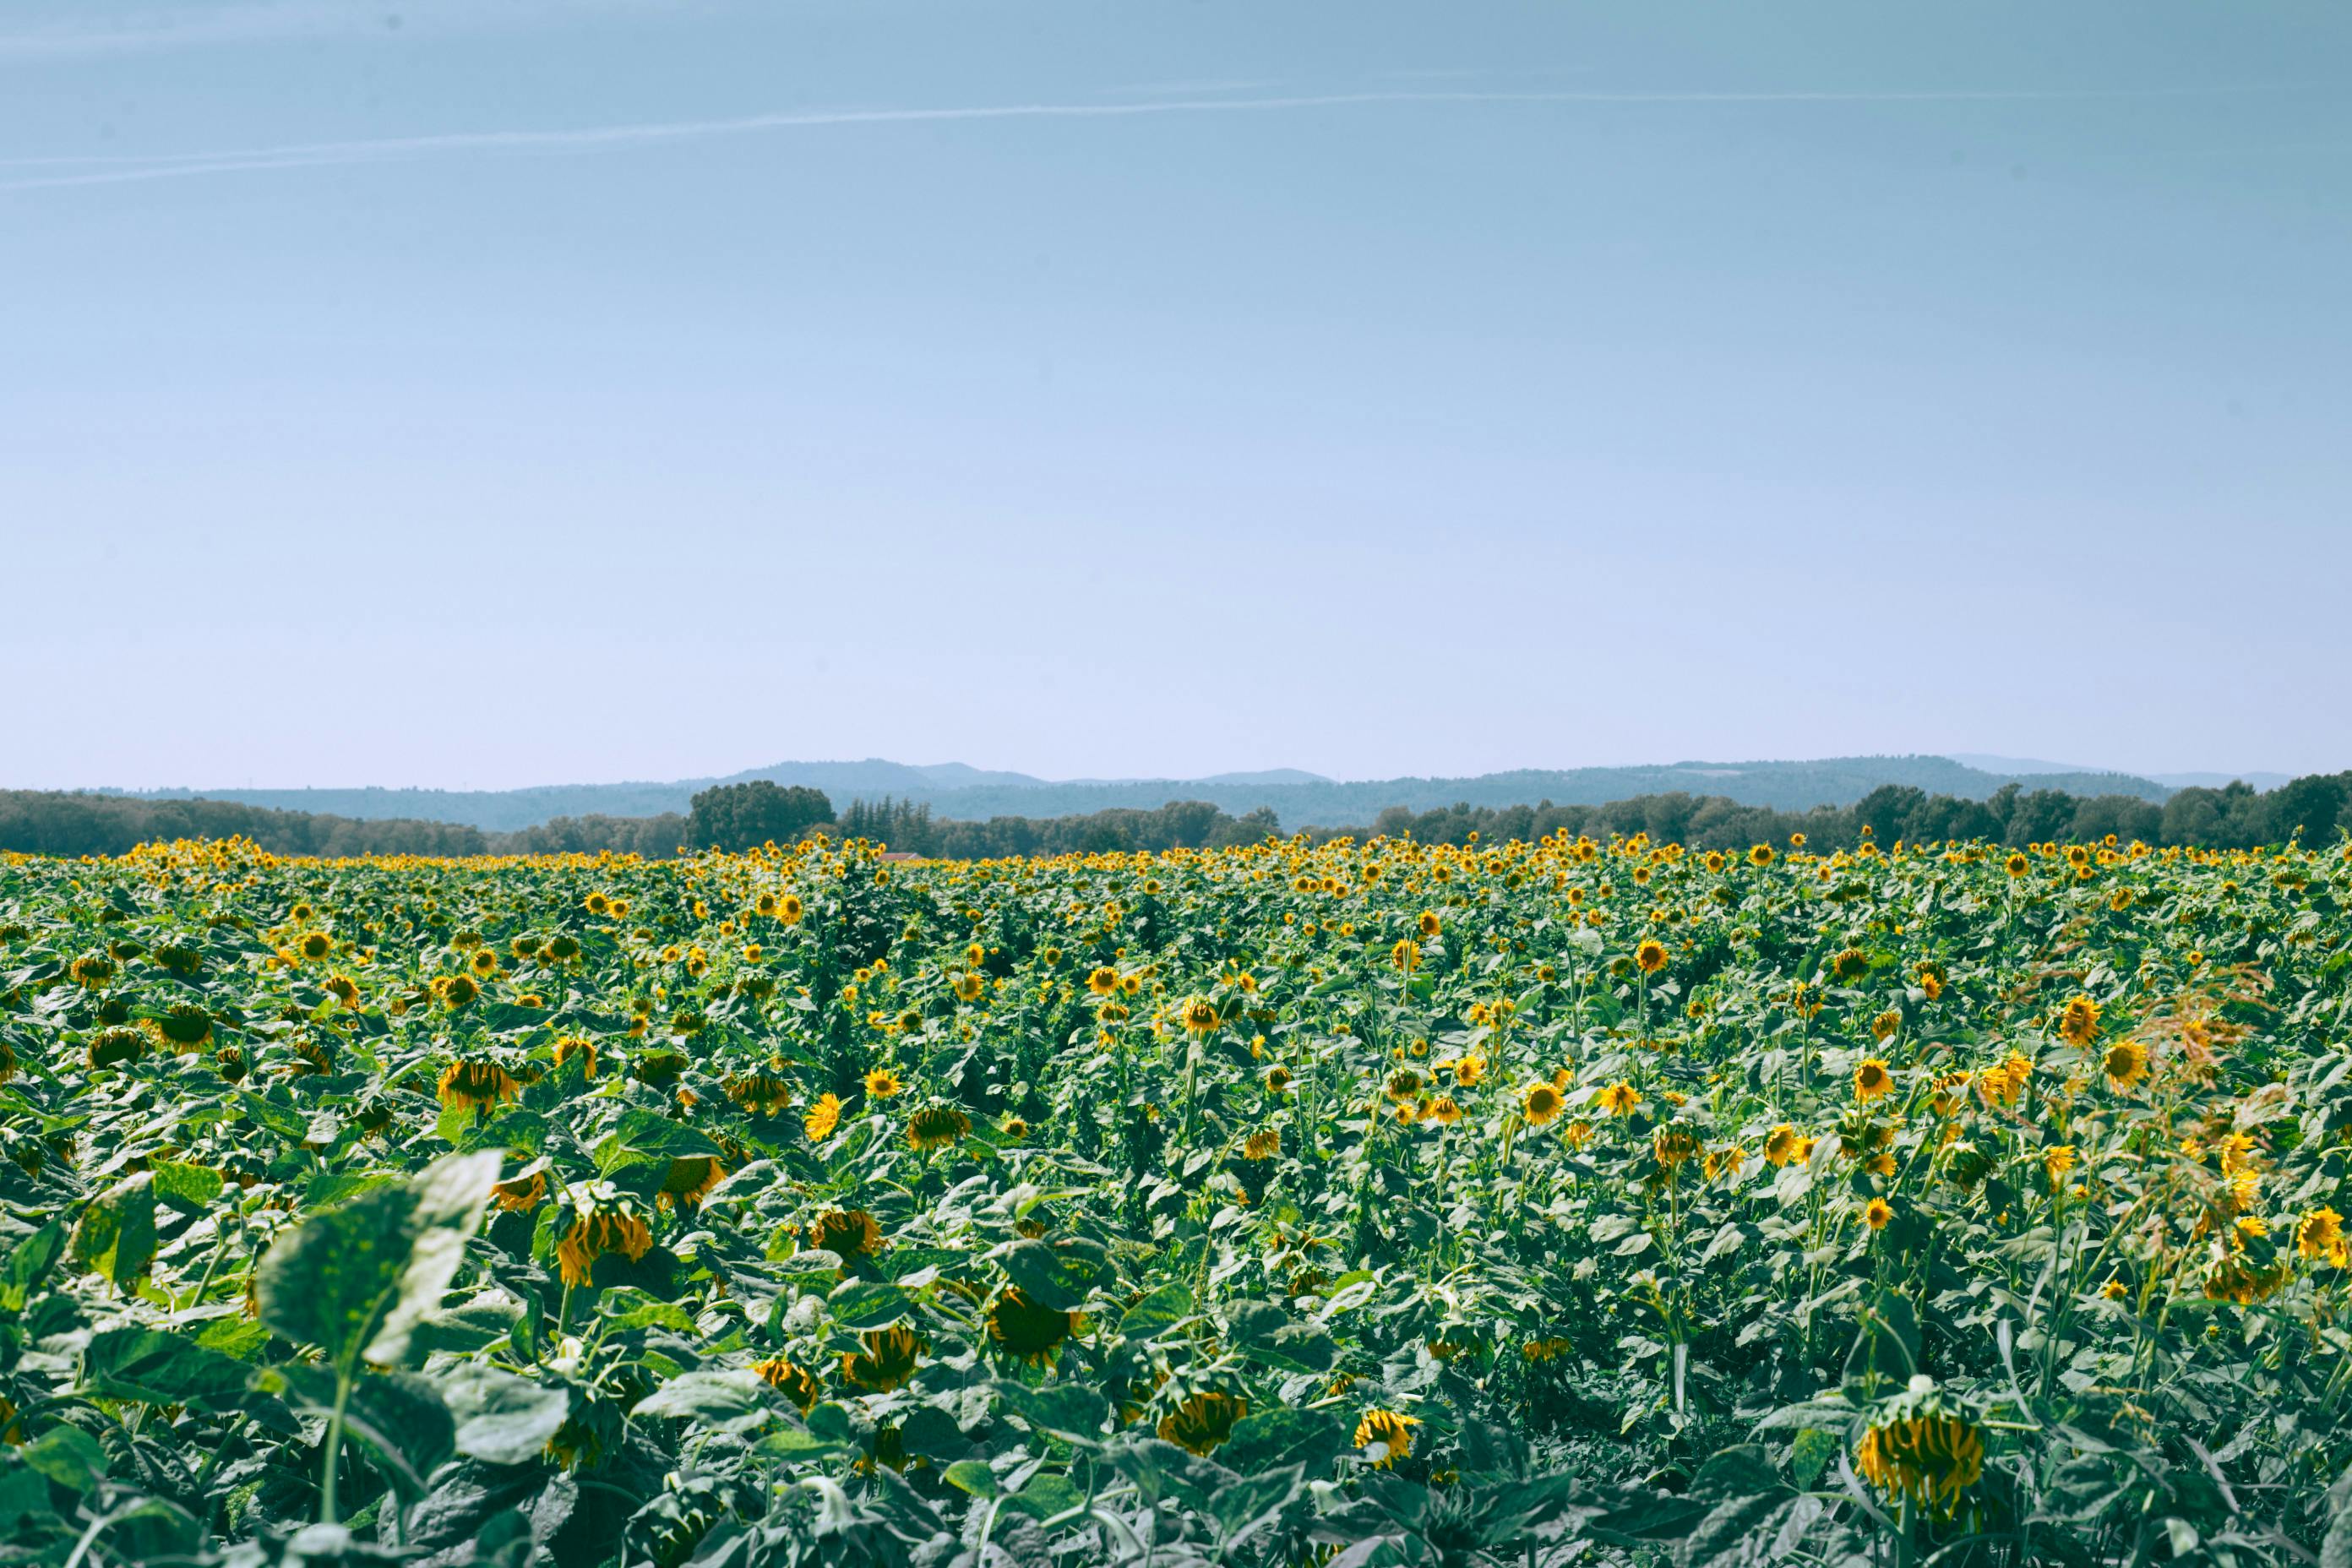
(116, 1237)
(729, 1400)
(502, 1419)
(157, 1368)
(1156, 1313)
(357, 1279)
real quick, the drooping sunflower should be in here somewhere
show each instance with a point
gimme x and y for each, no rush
(1781, 1145)
(1199, 1015)
(1406, 955)
(454, 992)
(113, 1048)
(1201, 1422)
(477, 1082)
(937, 1127)
(847, 1234)
(1263, 1144)
(1931, 1457)
(888, 1359)
(579, 1048)
(604, 1220)
(762, 1093)
(185, 1026)
(1021, 1327)
(798, 1384)
(1619, 1098)
(1674, 1143)
(689, 1181)
(1385, 1437)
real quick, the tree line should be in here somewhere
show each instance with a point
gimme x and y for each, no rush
(2314, 808)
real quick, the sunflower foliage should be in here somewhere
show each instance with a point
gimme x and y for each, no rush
(1361, 1204)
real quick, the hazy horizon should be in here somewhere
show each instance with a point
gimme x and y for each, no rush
(481, 398)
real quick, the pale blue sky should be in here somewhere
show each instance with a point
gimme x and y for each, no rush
(534, 391)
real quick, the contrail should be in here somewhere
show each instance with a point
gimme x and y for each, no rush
(99, 170)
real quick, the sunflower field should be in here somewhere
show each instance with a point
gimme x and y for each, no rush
(1361, 1204)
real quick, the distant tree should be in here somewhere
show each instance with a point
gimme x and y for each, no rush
(2311, 806)
(744, 815)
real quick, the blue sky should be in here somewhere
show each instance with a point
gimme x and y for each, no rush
(479, 392)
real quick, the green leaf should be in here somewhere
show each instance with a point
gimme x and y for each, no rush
(1046, 1495)
(502, 1419)
(190, 1188)
(1066, 1410)
(116, 1237)
(972, 1476)
(730, 1400)
(1266, 1331)
(24, 1494)
(1286, 1434)
(357, 1279)
(866, 1304)
(157, 1368)
(1158, 1311)
(28, 1262)
(1059, 1277)
(68, 1455)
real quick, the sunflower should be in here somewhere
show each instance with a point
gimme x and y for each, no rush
(113, 1048)
(823, 1118)
(762, 1093)
(798, 1384)
(1540, 1102)
(2320, 1234)
(1021, 1327)
(1445, 1110)
(2079, 1023)
(1389, 1432)
(579, 1048)
(689, 1181)
(1428, 924)
(969, 986)
(1883, 1027)
(522, 1192)
(1405, 954)
(1673, 1144)
(314, 945)
(1929, 1458)
(1263, 1144)
(185, 1026)
(887, 1360)
(1619, 1098)
(1851, 965)
(847, 1233)
(1761, 855)
(1277, 1079)
(1876, 1213)
(1102, 980)
(454, 992)
(92, 970)
(2017, 864)
(476, 1082)
(1202, 1421)
(937, 1127)
(1649, 956)
(1872, 1079)
(606, 1221)
(2126, 1063)
(883, 1084)
(1199, 1015)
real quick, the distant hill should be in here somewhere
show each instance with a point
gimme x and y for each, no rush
(2024, 765)
(1299, 799)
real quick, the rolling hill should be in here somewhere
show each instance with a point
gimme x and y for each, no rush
(1298, 798)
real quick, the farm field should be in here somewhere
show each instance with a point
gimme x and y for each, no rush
(1371, 1204)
